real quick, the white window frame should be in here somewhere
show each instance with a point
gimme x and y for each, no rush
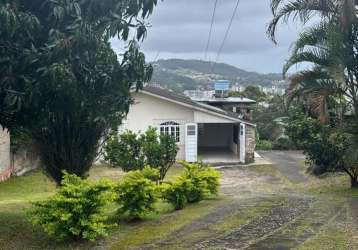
(171, 128)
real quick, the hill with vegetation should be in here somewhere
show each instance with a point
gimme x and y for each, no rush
(179, 74)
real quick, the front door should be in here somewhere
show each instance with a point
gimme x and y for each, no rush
(242, 143)
(191, 142)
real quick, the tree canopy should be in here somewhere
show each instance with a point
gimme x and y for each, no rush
(60, 78)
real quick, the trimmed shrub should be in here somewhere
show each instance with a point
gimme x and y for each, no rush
(175, 194)
(124, 151)
(199, 181)
(151, 173)
(211, 177)
(75, 211)
(136, 194)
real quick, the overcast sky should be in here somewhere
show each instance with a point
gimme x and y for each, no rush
(180, 28)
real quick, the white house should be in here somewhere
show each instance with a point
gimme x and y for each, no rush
(202, 132)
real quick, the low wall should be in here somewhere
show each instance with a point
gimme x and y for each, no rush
(5, 166)
(24, 160)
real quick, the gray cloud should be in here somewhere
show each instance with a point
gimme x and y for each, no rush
(179, 29)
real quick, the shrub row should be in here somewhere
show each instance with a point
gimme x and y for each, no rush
(76, 210)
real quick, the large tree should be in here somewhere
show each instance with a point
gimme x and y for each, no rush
(60, 78)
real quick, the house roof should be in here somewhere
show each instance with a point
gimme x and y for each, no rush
(236, 100)
(185, 101)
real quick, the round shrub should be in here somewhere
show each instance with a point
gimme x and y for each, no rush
(124, 151)
(199, 181)
(175, 194)
(211, 177)
(136, 195)
(75, 211)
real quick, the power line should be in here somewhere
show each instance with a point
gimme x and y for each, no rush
(211, 30)
(227, 30)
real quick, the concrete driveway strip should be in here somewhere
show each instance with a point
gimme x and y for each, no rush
(288, 163)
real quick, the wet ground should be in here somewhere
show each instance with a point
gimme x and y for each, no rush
(269, 207)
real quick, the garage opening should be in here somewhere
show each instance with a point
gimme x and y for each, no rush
(219, 143)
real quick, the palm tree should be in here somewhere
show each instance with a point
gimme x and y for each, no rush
(330, 46)
(342, 11)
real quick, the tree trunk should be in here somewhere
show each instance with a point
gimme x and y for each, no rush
(354, 182)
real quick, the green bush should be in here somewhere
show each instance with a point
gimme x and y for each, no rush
(175, 194)
(132, 151)
(75, 211)
(199, 181)
(302, 129)
(151, 173)
(264, 145)
(160, 150)
(124, 151)
(136, 194)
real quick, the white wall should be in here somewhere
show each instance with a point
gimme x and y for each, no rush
(151, 111)
(4, 154)
(201, 117)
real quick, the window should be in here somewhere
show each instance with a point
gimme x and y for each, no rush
(191, 130)
(171, 128)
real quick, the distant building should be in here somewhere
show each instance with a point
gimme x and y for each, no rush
(197, 94)
(222, 88)
(273, 90)
(239, 105)
(237, 88)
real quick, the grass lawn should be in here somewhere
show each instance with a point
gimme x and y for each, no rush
(16, 232)
(17, 193)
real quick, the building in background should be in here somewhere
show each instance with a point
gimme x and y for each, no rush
(219, 98)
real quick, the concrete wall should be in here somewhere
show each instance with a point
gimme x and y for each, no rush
(250, 144)
(24, 160)
(150, 111)
(5, 168)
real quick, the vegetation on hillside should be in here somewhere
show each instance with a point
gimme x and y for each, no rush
(178, 74)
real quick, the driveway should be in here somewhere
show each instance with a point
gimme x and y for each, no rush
(288, 163)
(264, 209)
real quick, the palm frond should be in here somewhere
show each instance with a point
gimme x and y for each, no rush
(312, 55)
(298, 9)
(313, 36)
(316, 86)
